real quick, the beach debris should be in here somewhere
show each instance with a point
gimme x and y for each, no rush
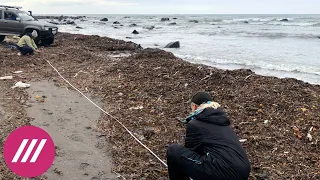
(303, 109)
(165, 19)
(266, 121)
(194, 21)
(104, 19)
(243, 140)
(296, 132)
(135, 32)
(21, 85)
(175, 44)
(6, 77)
(136, 108)
(309, 136)
(17, 72)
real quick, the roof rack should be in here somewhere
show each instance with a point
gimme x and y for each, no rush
(11, 7)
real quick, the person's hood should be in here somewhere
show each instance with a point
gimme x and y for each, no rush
(213, 116)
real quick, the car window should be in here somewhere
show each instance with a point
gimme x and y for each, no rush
(10, 16)
(25, 16)
(0, 14)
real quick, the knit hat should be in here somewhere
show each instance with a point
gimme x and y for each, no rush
(201, 97)
(34, 34)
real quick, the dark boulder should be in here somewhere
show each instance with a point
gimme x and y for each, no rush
(194, 21)
(70, 22)
(78, 27)
(133, 25)
(172, 24)
(53, 22)
(116, 22)
(165, 19)
(174, 18)
(104, 19)
(173, 45)
(60, 18)
(135, 32)
(284, 20)
(246, 22)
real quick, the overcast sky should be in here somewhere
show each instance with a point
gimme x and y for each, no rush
(168, 6)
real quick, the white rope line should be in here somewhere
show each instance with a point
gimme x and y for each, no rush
(109, 115)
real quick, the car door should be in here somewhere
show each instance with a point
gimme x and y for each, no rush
(11, 24)
(2, 29)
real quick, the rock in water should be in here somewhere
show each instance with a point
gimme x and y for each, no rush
(60, 18)
(132, 25)
(104, 19)
(78, 27)
(135, 32)
(174, 18)
(149, 27)
(246, 22)
(284, 20)
(116, 22)
(165, 19)
(70, 22)
(194, 21)
(172, 24)
(173, 45)
(52, 22)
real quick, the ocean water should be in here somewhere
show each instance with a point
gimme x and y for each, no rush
(262, 43)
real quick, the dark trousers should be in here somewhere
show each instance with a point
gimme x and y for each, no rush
(184, 164)
(26, 50)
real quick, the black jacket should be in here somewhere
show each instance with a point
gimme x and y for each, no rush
(210, 135)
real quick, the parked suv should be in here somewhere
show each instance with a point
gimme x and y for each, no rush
(13, 21)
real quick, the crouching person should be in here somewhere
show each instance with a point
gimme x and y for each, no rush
(26, 44)
(212, 150)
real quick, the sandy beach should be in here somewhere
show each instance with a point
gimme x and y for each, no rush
(148, 91)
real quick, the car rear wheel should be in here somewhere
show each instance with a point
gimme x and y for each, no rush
(48, 41)
(2, 38)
